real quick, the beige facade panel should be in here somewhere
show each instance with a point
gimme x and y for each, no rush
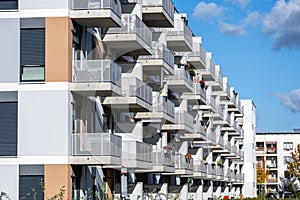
(57, 176)
(58, 49)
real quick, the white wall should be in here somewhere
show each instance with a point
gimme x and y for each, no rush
(43, 4)
(9, 180)
(44, 124)
(249, 168)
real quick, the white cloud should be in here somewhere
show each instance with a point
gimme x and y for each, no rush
(242, 3)
(252, 19)
(230, 29)
(282, 24)
(208, 10)
(290, 100)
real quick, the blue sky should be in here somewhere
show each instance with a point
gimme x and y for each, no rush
(257, 44)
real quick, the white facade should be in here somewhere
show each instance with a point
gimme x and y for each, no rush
(249, 127)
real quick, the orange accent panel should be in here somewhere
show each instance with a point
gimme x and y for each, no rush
(58, 49)
(57, 176)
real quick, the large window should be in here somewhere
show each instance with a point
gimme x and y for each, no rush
(32, 49)
(288, 146)
(8, 124)
(8, 5)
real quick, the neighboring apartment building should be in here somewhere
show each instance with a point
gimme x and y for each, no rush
(89, 86)
(274, 149)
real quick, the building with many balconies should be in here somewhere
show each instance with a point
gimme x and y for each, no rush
(88, 87)
(273, 150)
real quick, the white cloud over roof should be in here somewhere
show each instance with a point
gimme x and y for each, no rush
(290, 100)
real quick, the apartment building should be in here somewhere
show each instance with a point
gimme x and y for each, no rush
(273, 149)
(93, 90)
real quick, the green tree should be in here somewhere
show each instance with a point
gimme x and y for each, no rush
(293, 166)
(261, 176)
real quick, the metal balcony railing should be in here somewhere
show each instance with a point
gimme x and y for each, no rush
(198, 51)
(198, 90)
(181, 74)
(199, 166)
(212, 67)
(132, 24)
(182, 117)
(114, 5)
(226, 89)
(234, 149)
(219, 171)
(163, 157)
(96, 71)
(160, 51)
(219, 78)
(167, 5)
(181, 29)
(133, 87)
(227, 145)
(134, 150)
(228, 174)
(199, 128)
(211, 170)
(220, 140)
(210, 100)
(211, 135)
(96, 144)
(182, 163)
(161, 104)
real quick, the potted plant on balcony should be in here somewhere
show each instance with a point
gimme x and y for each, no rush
(188, 157)
(169, 149)
(205, 162)
(220, 163)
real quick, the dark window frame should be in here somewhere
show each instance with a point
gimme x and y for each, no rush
(33, 65)
(11, 5)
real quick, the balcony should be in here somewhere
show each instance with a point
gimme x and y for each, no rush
(234, 105)
(199, 133)
(182, 165)
(211, 171)
(97, 13)
(217, 85)
(158, 13)
(181, 81)
(161, 58)
(163, 161)
(196, 57)
(136, 96)
(200, 169)
(183, 122)
(132, 38)
(100, 76)
(162, 110)
(208, 74)
(136, 155)
(198, 96)
(228, 175)
(220, 173)
(96, 148)
(180, 38)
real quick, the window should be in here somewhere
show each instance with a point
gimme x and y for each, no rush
(287, 146)
(32, 49)
(31, 177)
(8, 4)
(287, 158)
(8, 123)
